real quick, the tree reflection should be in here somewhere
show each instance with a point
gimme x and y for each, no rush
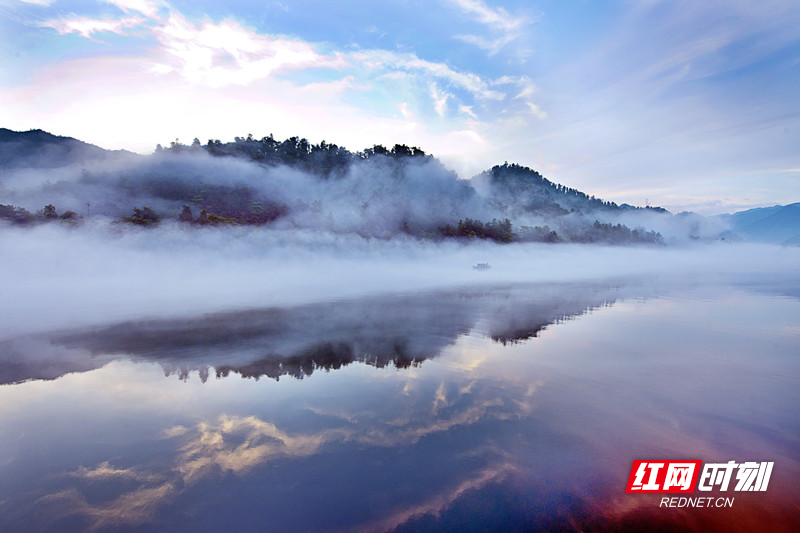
(390, 330)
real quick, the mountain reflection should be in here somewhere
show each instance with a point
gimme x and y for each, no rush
(398, 330)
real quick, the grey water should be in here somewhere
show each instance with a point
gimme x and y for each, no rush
(499, 408)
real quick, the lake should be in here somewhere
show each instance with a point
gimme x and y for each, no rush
(506, 407)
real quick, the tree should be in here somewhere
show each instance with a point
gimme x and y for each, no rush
(143, 217)
(70, 216)
(49, 212)
(186, 214)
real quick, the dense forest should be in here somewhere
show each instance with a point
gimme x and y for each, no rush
(378, 192)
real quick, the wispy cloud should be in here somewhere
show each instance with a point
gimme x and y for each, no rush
(439, 100)
(86, 26)
(497, 18)
(145, 7)
(503, 27)
(491, 45)
(225, 53)
(536, 110)
(389, 60)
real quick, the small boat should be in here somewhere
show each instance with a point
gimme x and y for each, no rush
(481, 266)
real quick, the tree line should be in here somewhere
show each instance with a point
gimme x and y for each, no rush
(324, 159)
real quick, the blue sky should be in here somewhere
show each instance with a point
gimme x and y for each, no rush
(688, 104)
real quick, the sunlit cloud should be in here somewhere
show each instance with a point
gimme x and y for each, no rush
(227, 53)
(131, 508)
(106, 471)
(263, 441)
(437, 504)
(237, 445)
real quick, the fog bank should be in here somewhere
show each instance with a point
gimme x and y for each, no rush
(57, 276)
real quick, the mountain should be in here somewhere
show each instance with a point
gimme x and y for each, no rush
(378, 192)
(40, 149)
(524, 190)
(779, 224)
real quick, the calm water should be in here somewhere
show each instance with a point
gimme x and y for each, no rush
(503, 408)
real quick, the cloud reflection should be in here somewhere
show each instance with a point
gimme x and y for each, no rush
(238, 445)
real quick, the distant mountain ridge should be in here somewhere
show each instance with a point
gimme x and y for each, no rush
(779, 224)
(39, 148)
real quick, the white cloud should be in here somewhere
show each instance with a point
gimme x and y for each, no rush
(536, 110)
(439, 100)
(492, 46)
(86, 26)
(226, 53)
(145, 7)
(504, 27)
(467, 110)
(497, 18)
(384, 59)
(189, 63)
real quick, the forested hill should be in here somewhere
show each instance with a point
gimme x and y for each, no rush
(377, 192)
(514, 184)
(40, 149)
(529, 191)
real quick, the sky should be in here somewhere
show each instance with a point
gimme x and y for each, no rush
(685, 104)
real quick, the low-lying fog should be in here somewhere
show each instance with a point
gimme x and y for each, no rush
(313, 230)
(59, 276)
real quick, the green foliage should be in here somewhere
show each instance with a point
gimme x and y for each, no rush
(537, 234)
(616, 234)
(16, 215)
(142, 217)
(210, 219)
(499, 231)
(49, 212)
(542, 195)
(324, 159)
(215, 220)
(70, 216)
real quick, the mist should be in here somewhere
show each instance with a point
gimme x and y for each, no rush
(59, 276)
(323, 226)
(370, 194)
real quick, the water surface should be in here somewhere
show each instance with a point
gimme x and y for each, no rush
(513, 407)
